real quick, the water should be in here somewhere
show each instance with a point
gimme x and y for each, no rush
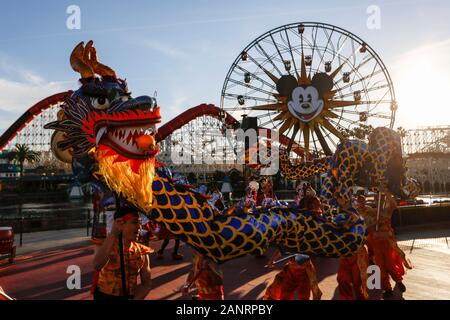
(434, 199)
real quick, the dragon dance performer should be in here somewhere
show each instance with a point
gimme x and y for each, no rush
(298, 276)
(111, 279)
(299, 195)
(306, 198)
(369, 214)
(311, 202)
(352, 276)
(381, 239)
(269, 198)
(247, 204)
(207, 277)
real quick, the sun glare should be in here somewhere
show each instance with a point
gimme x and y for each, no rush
(422, 85)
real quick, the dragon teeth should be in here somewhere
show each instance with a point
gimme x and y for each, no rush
(100, 134)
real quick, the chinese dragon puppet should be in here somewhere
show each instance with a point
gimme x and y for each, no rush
(110, 137)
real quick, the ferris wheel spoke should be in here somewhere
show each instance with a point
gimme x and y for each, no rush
(316, 151)
(294, 133)
(371, 89)
(326, 46)
(340, 48)
(338, 126)
(276, 47)
(379, 115)
(356, 69)
(286, 125)
(250, 86)
(291, 51)
(306, 138)
(272, 106)
(333, 104)
(323, 143)
(233, 95)
(265, 115)
(333, 49)
(381, 101)
(341, 65)
(313, 47)
(332, 129)
(360, 80)
(357, 113)
(267, 72)
(333, 142)
(258, 46)
(254, 76)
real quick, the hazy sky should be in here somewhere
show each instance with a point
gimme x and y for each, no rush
(183, 49)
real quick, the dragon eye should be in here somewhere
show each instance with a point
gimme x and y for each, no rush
(100, 103)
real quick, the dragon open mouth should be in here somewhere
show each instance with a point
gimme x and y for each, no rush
(126, 140)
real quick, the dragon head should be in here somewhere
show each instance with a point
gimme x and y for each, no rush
(389, 168)
(102, 121)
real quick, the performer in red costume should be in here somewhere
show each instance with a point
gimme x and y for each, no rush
(352, 276)
(311, 201)
(369, 214)
(381, 239)
(207, 277)
(298, 276)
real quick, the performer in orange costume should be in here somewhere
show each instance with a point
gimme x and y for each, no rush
(370, 217)
(352, 276)
(207, 277)
(381, 239)
(298, 275)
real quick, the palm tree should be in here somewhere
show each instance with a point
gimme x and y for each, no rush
(22, 154)
(402, 133)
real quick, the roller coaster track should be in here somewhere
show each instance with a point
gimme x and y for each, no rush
(28, 116)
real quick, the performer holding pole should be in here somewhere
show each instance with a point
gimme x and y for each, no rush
(387, 255)
(207, 277)
(117, 273)
(298, 276)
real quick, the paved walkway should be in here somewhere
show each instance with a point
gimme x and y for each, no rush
(51, 240)
(42, 274)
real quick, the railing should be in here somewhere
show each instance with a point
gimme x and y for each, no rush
(57, 219)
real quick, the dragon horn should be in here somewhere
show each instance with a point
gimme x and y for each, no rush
(87, 55)
(78, 64)
(98, 67)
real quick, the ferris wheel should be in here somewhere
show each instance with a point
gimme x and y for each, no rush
(315, 83)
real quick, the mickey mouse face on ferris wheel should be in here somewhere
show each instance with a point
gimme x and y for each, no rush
(305, 102)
